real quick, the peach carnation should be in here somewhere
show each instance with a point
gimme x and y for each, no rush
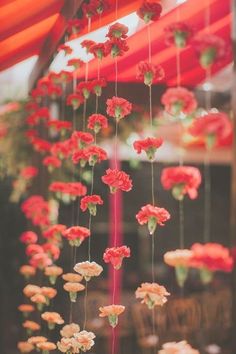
(31, 326)
(37, 339)
(177, 348)
(72, 277)
(85, 340)
(25, 347)
(40, 300)
(27, 271)
(112, 312)
(69, 330)
(30, 290)
(26, 309)
(181, 260)
(52, 318)
(88, 269)
(46, 347)
(73, 289)
(152, 294)
(53, 272)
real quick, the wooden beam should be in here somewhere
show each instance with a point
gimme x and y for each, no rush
(49, 47)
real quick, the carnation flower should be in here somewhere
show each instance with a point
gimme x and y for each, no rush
(53, 273)
(149, 145)
(68, 191)
(60, 125)
(49, 293)
(118, 107)
(115, 255)
(117, 30)
(28, 172)
(68, 345)
(116, 47)
(37, 210)
(180, 260)
(75, 25)
(149, 73)
(181, 180)
(178, 34)
(87, 44)
(52, 318)
(73, 289)
(85, 87)
(81, 139)
(177, 348)
(26, 309)
(40, 145)
(69, 330)
(90, 202)
(152, 215)
(76, 235)
(30, 290)
(25, 347)
(28, 237)
(152, 294)
(97, 86)
(51, 162)
(75, 100)
(112, 312)
(46, 347)
(33, 249)
(97, 122)
(179, 99)
(75, 62)
(53, 233)
(149, 11)
(72, 277)
(62, 149)
(94, 154)
(212, 127)
(40, 260)
(54, 91)
(116, 179)
(99, 50)
(88, 269)
(52, 250)
(40, 300)
(66, 48)
(37, 339)
(209, 48)
(209, 258)
(27, 271)
(31, 326)
(80, 157)
(85, 340)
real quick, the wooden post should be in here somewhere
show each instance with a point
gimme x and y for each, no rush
(49, 47)
(233, 175)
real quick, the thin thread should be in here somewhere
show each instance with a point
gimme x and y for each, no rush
(85, 305)
(116, 77)
(207, 200)
(90, 217)
(84, 114)
(113, 340)
(208, 92)
(181, 224)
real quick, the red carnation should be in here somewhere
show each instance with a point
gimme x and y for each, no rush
(76, 63)
(149, 73)
(117, 30)
(71, 189)
(99, 50)
(118, 107)
(75, 100)
(51, 162)
(76, 235)
(181, 180)
(66, 48)
(90, 202)
(89, 10)
(54, 232)
(115, 255)
(60, 125)
(97, 122)
(28, 237)
(54, 91)
(40, 145)
(32, 249)
(178, 34)
(29, 172)
(212, 127)
(97, 86)
(149, 145)
(116, 47)
(95, 154)
(116, 179)
(52, 250)
(40, 260)
(179, 99)
(210, 49)
(79, 156)
(87, 44)
(75, 25)
(84, 87)
(209, 258)
(62, 149)
(81, 139)
(149, 11)
(37, 210)
(152, 215)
